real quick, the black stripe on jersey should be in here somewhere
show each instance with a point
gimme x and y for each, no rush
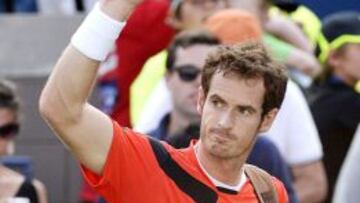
(197, 190)
(227, 191)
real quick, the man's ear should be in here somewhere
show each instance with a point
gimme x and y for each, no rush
(201, 100)
(168, 76)
(334, 59)
(267, 120)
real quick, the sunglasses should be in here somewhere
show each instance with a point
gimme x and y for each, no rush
(9, 130)
(187, 73)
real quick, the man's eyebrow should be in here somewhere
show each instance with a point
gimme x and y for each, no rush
(216, 96)
(247, 107)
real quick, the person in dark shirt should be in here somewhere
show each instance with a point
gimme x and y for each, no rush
(333, 100)
(13, 185)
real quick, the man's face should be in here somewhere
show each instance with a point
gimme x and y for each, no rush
(348, 62)
(231, 115)
(184, 81)
(195, 12)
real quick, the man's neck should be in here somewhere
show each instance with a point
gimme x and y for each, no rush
(227, 171)
(178, 123)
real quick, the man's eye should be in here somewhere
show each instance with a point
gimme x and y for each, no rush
(245, 112)
(217, 103)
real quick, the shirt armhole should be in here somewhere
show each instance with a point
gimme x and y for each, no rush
(97, 181)
(281, 191)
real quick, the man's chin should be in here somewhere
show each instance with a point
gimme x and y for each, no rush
(219, 151)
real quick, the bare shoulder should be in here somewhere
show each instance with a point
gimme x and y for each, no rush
(10, 182)
(41, 190)
(11, 176)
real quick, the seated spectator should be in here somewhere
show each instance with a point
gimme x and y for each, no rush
(13, 185)
(333, 100)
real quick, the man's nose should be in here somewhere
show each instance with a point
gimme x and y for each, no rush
(226, 120)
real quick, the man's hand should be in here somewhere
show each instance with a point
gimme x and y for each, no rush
(119, 9)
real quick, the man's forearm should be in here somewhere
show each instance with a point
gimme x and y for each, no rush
(71, 81)
(69, 85)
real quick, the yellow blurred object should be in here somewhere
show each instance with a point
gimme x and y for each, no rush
(152, 72)
(309, 22)
(357, 87)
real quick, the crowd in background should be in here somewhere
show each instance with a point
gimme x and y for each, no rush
(312, 146)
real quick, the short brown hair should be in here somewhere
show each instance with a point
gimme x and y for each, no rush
(186, 39)
(248, 61)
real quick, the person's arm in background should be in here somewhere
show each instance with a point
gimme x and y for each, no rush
(41, 191)
(290, 32)
(303, 61)
(84, 130)
(310, 182)
(292, 56)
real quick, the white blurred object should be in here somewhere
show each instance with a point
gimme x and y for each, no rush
(157, 106)
(18, 200)
(348, 183)
(67, 7)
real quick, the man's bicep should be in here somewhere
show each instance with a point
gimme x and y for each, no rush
(89, 139)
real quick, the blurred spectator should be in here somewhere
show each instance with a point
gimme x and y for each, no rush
(334, 102)
(348, 183)
(13, 185)
(185, 61)
(18, 6)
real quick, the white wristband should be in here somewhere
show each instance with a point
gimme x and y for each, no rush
(96, 36)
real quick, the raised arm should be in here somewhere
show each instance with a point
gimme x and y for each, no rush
(83, 129)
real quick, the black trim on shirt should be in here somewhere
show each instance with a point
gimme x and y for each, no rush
(227, 191)
(197, 190)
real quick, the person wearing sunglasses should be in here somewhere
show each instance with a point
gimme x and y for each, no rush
(14, 186)
(186, 57)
